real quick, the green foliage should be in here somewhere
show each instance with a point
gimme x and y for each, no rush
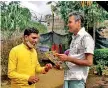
(93, 14)
(14, 17)
(42, 28)
(68, 6)
(100, 66)
(101, 60)
(6, 46)
(101, 55)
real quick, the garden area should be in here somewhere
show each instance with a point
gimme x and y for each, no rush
(14, 19)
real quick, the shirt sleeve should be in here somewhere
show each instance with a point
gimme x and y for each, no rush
(88, 44)
(12, 69)
(39, 69)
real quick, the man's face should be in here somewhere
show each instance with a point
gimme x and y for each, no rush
(73, 25)
(31, 39)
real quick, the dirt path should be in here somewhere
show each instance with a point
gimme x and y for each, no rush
(54, 79)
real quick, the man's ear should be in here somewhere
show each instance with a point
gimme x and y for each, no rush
(80, 21)
(26, 37)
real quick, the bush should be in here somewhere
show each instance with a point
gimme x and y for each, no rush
(101, 54)
(6, 46)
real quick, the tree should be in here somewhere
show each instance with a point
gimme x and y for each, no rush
(93, 12)
(13, 16)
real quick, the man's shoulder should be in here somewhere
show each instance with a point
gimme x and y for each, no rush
(86, 35)
(16, 47)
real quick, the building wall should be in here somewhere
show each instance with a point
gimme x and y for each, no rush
(58, 24)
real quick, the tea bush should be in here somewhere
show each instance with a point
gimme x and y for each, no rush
(101, 54)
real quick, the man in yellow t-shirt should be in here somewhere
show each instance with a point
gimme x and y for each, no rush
(23, 62)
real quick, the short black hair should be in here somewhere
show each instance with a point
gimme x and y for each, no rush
(78, 16)
(28, 31)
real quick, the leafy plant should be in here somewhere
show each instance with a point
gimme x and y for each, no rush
(101, 54)
(93, 13)
(101, 60)
(13, 16)
(100, 66)
(42, 28)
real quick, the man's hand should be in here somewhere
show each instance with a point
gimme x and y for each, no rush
(57, 65)
(47, 68)
(62, 57)
(33, 79)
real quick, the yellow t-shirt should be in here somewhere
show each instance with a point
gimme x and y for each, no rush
(22, 64)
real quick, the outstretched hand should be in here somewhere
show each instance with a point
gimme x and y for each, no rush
(47, 68)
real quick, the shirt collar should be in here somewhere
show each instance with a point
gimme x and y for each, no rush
(26, 47)
(81, 32)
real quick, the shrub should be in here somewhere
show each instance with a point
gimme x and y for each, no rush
(101, 54)
(6, 46)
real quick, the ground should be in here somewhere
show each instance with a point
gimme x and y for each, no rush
(54, 79)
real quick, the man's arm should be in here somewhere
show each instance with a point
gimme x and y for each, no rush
(44, 69)
(88, 44)
(87, 61)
